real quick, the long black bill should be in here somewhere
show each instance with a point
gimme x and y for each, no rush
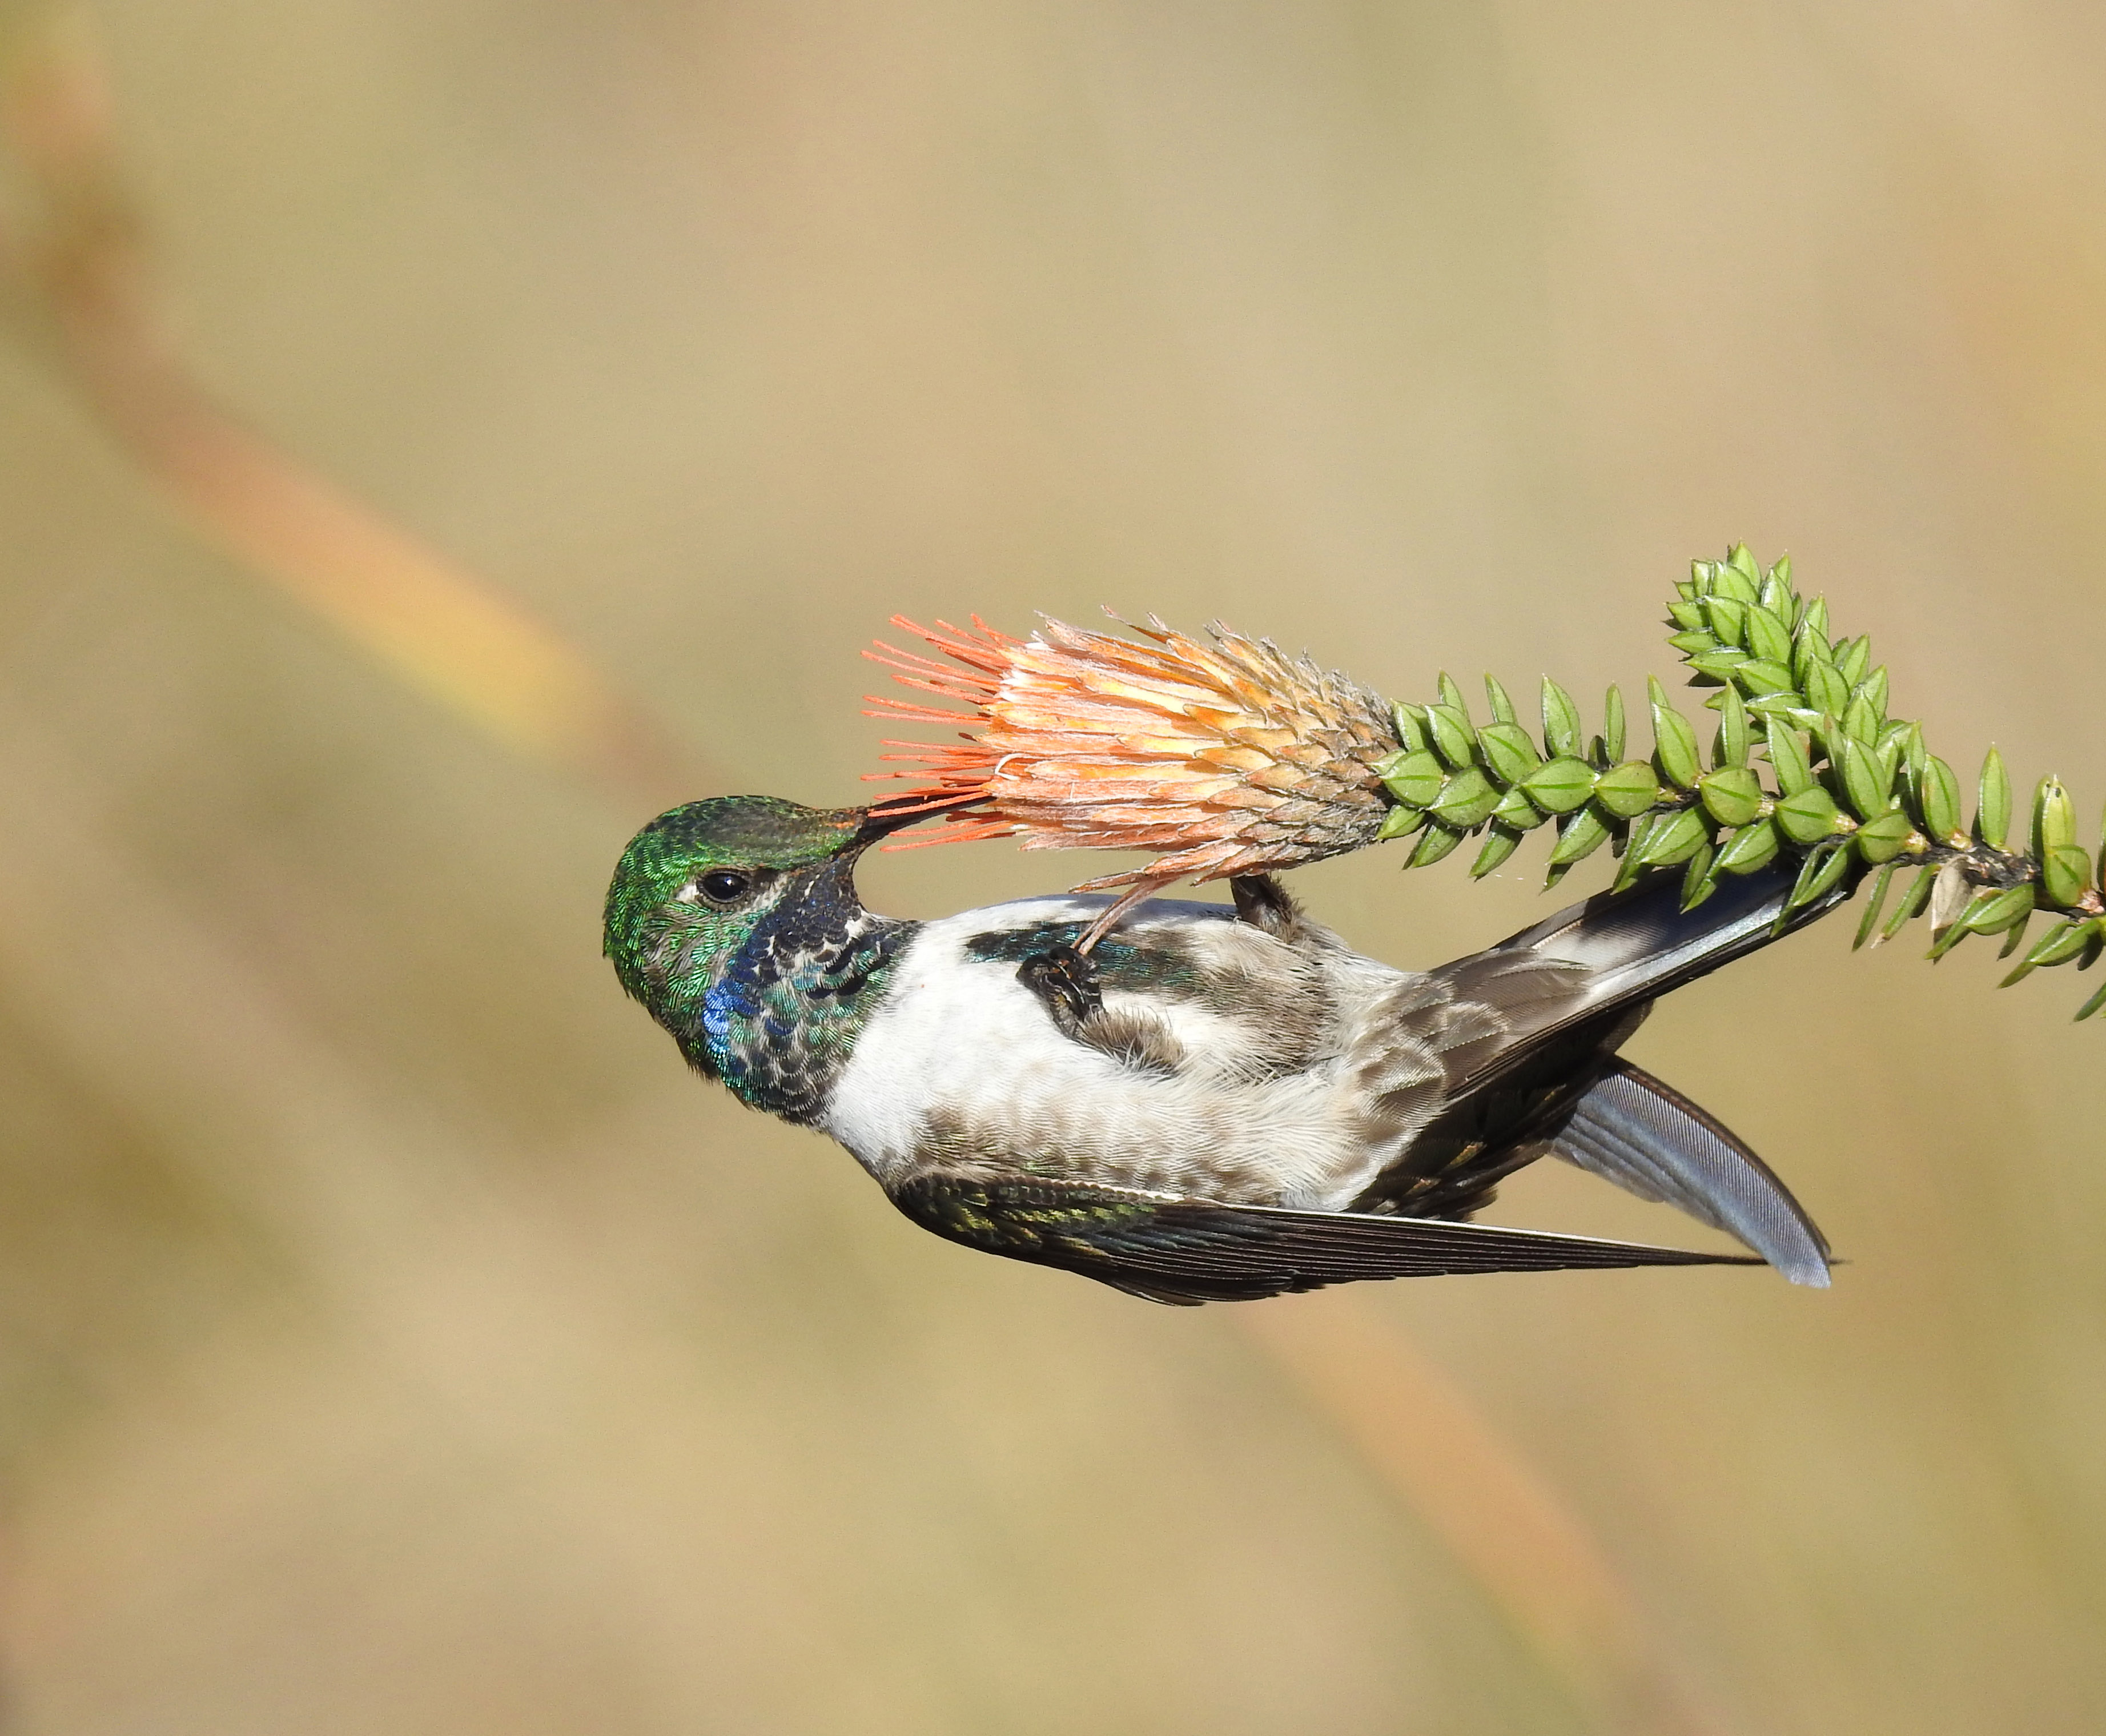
(877, 822)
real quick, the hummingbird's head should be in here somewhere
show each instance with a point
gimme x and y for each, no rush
(693, 884)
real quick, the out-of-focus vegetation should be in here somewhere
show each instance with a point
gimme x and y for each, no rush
(393, 1338)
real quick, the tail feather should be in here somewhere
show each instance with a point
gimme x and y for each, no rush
(1631, 1129)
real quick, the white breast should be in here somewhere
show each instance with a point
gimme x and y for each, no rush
(961, 1047)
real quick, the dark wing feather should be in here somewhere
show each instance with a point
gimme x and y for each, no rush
(1540, 1017)
(1616, 952)
(1653, 1142)
(1188, 1251)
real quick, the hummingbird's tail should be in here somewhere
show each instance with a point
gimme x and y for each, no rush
(1629, 1128)
(1540, 1074)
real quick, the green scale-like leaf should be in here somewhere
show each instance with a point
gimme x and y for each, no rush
(1748, 849)
(1674, 741)
(1826, 689)
(1508, 750)
(1760, 678)
(1416, 781)
(2065, 873)
(1787, 756)
(1808, 817)
(1559, 785)
(1437, 841)
(1824, 868)
(1861, 722)
(1517, 813)
(1768, 637)
(1733, 794)
(1875, 902)
(1628, 790)
(1698, 880)
(1561, 732)
(1912, 902)
(1994, 912)
(1883, 839)
(1992, 817)
(2060, 945)
(1495, 696)
(1454, 739)
(1580, 837)
(1938, 799)
(1498, 847)
(2054, 816)
(1467, 801)
(1721, 665)
(1861, 782)
(1673, 840)
(1731, 749)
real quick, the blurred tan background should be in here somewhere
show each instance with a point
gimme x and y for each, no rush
(393, 1339)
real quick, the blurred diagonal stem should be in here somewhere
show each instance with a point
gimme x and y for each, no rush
(77, 284)
(74, 276)
(1475, 1490)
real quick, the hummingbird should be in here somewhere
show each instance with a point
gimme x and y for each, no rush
(1212, 1102)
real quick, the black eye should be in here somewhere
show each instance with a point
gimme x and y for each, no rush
(724, 885)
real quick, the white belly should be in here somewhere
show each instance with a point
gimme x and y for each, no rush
(963, 1065)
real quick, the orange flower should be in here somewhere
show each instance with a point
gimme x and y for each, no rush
(1230, 758)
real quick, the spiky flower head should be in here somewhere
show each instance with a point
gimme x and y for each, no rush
(1227, 757)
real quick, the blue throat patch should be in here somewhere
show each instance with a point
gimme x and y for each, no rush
(777, 1027)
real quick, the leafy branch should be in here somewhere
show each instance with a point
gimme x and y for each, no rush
(1804, 760)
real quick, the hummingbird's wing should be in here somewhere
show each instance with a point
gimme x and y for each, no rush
(1603, 962)
(1650, 1140)
(1540, 1018)
(1188, 1251)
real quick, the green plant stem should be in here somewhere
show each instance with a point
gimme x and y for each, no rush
(1804, 762)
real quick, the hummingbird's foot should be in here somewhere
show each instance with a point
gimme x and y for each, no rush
(1263, 903)
(1134, 895)
(1065, 978)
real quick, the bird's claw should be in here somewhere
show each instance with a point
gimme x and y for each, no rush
(1066, 980)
